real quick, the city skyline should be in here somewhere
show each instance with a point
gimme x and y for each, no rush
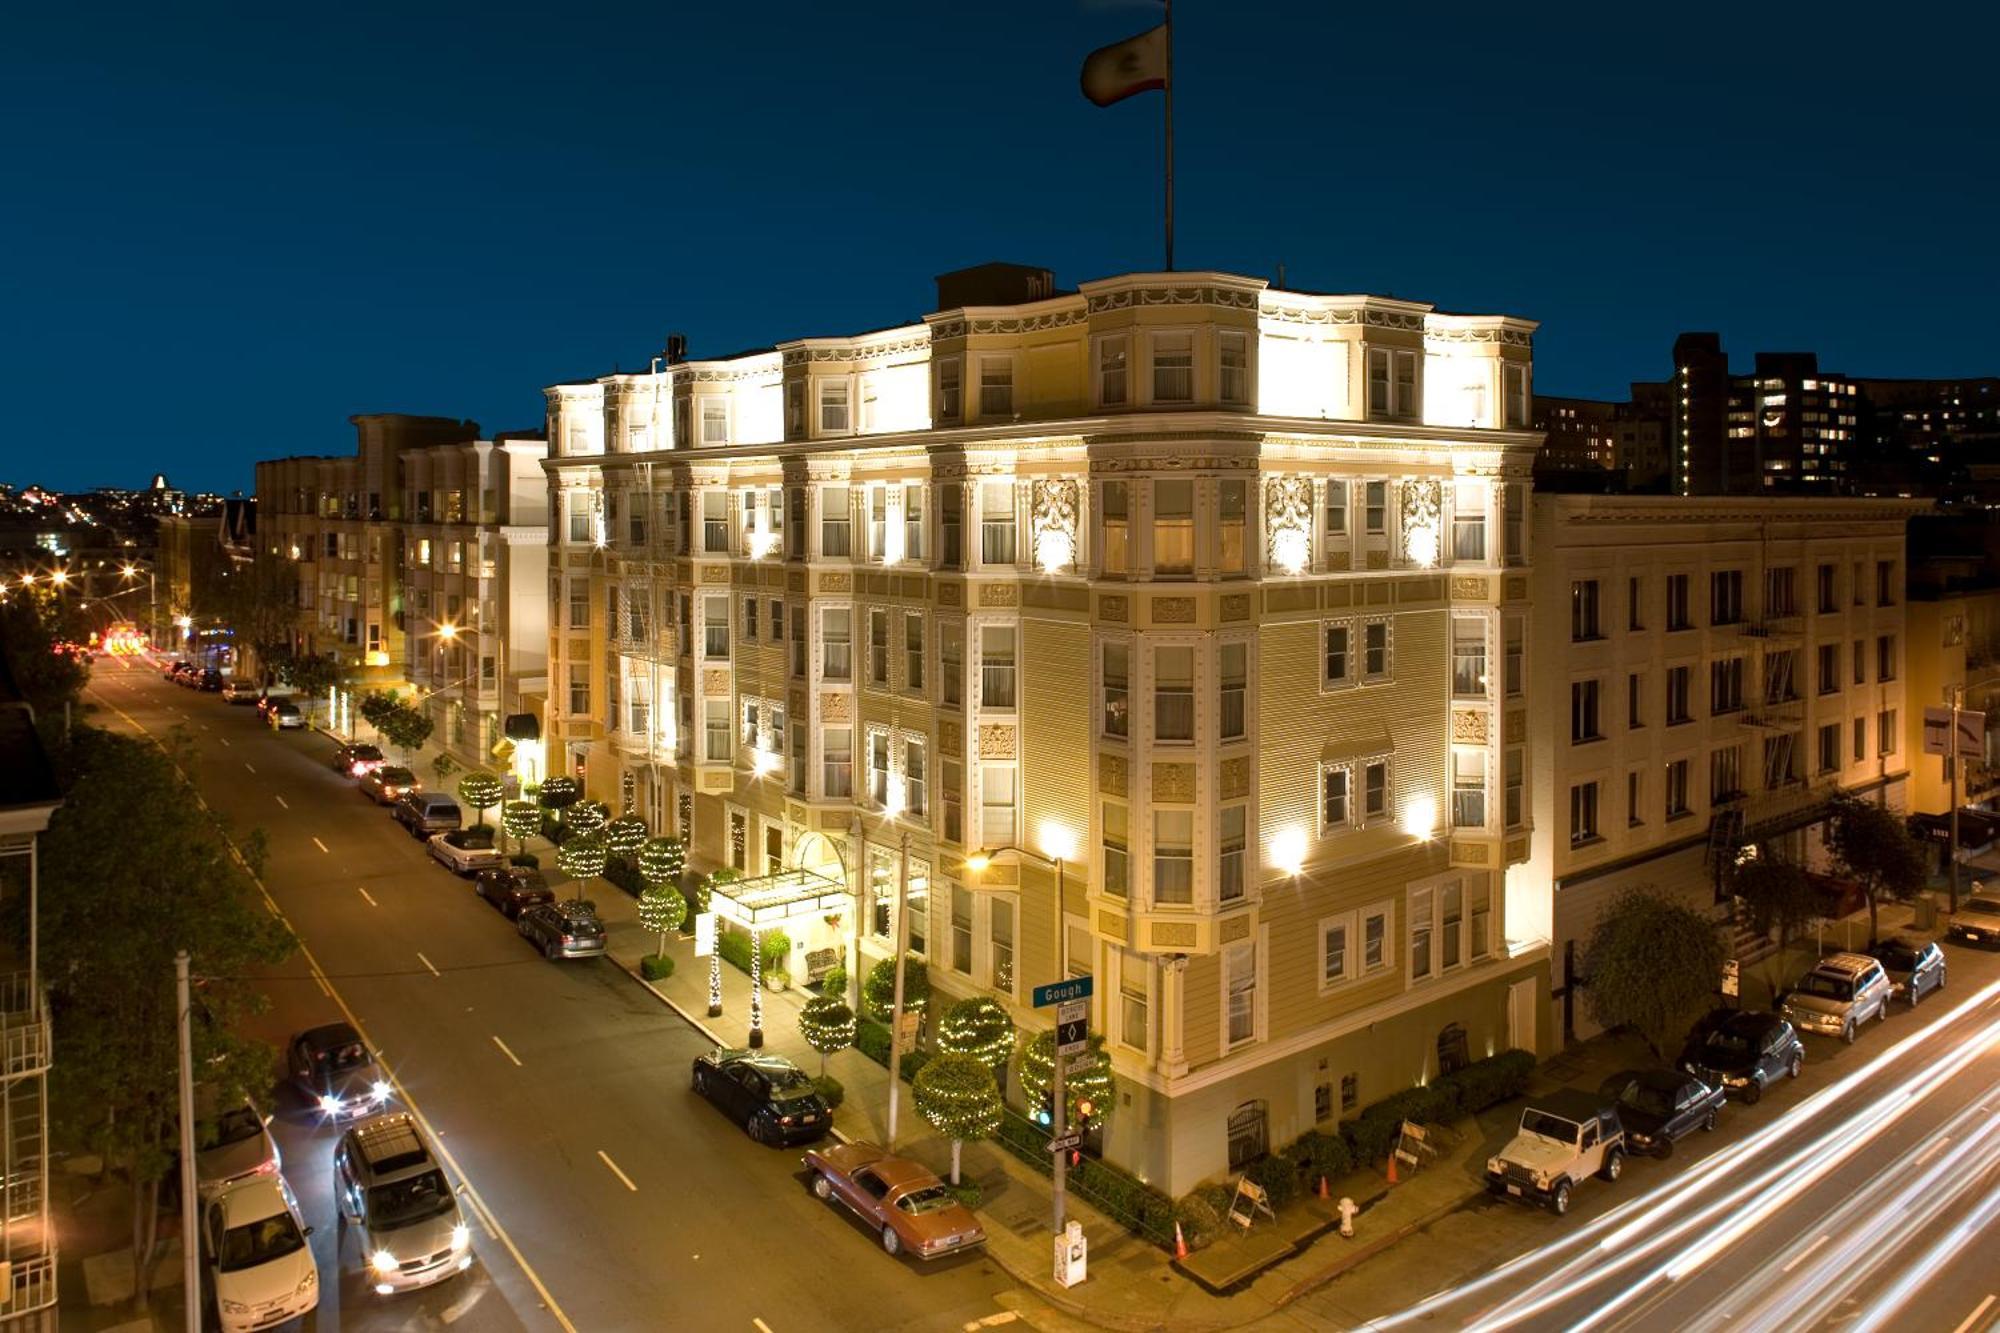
(368, 227)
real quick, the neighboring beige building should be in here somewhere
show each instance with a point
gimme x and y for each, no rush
(1708, 670)
(1954, 646)
(425, 526)
(1196, 584)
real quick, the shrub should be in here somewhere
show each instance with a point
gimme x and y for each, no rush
(872, 1040)
(968, 1193)
(777, 947)
(734, 946)
(827, 1024)
(834, 980)
(913, 1064)
(1200, 1216)
(878, 993)
(830, 1088)
(1321, 1155)
(525, 859)
(1279, 1175)
(979, 1027)
(656, 967)
(1490, 1082)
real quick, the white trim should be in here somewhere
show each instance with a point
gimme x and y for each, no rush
(1346, 922)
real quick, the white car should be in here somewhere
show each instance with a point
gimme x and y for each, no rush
(233, 1145)
(464, 851)
(1977, 920)
(259, 1265)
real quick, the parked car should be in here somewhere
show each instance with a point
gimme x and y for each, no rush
(1977, 921)
(426, 812)
(357, 760)
(232, 1143)
(389, 1185)
(239, 691)
(1915, 967)
(259, 1265)
(513, 889)
(1840, 993)
(1659, 1107)
(267, 701)
(285, 716)
(566, 929)
(172, 671)
(1744, 1052)
(905, 1204)
(767, 1094)
(463, 851)
(1564, 1139)
(389, 783)
(332, 1067)
(209, 681)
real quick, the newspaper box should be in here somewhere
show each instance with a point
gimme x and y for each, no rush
(1072, 1255)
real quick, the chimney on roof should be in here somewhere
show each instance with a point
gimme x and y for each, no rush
(677, 348)
(994, 284)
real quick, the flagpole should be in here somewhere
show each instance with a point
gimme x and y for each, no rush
(1170, 135)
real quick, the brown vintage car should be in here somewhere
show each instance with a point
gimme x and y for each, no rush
(911, 1208)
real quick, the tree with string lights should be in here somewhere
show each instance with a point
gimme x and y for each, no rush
(956, 1096)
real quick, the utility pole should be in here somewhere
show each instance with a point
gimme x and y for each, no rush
(896, 1007)
(1059, 1092)
(190, 1241)
(1953, 762)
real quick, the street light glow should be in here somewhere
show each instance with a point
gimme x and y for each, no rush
(447, 631)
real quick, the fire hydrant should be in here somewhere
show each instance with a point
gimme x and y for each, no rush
(1347, 1212)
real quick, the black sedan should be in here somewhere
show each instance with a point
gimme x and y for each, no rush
(332, 1067)
(567, 929)
(1743, 1052)
(356, 759)
(766, 1094)
(513, 889)
(1661, 1106)
(1915, 967)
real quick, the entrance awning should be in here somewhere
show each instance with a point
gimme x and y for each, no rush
(770, 901)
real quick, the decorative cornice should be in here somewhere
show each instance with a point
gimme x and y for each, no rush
(1130, 298)
(1367, 316)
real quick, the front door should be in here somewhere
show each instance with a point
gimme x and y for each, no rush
(1521, 1016)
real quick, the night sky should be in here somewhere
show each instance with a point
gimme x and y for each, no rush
(224, 227)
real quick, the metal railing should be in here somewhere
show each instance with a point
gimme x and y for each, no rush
(24, 1026)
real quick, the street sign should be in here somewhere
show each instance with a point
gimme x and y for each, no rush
(1971, 732)
(906, 1027)
(704, 934)
(1073, 1139)
(1072, 1027)
(1076, 988)
(510, 786)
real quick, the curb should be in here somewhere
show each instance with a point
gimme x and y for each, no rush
(1362, 1253)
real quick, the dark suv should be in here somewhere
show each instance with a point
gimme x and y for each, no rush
(1660, 1106)
(568, 929)
(1743, 1053)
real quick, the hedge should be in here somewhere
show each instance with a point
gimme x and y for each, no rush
(625, 876)
(734, 946)
(1484, 1083)
(1139, 1207)
(872, 1040)
(830, 1088)
(656, 966)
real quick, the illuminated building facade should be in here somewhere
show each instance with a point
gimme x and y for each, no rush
(1218, 593)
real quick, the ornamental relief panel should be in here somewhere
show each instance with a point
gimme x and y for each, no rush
(1173, 782)
(1468, 726)
(1471, 853)
(836, 582)
(1111, 924)
(715, 681)
(1235, 778)
(1378, 560)
(836, 708)
(1340, 560)
(1288, 507)
(996, 740)
(950, 594)
(715, 573)
(951, 738)
(1236, 606)
(1113, 608)
(1173, 935)
(999, 595)
(1236, 928)
(1468, 588)
(1173, 610)
(1053, 523)
(1111, 774)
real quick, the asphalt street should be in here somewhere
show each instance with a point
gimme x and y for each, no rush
(605, 1195)
(1864, 1195)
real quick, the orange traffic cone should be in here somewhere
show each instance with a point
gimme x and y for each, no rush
(1392, 1168)
(1180, 1242)
(1322, 1188)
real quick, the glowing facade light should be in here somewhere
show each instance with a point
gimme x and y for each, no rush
(1288, 850)
(1420, 815)
(1054, 549)
(763, 542)
(764, 762)
(1290, 549)
(1057, 839)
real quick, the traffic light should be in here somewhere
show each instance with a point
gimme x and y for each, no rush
(1085, 1110)
(1046, 1113)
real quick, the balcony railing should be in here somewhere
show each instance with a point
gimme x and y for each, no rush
(24, 1026)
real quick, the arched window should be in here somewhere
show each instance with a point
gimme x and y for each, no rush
(1452, 1052)
(1249, 1134)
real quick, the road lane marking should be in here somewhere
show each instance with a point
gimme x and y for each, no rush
(1932, 1151)
(322, 846)
(606, 1158)
(427, 963)
(1800, 1257)
(246, 764)
(509, 1054)
(1976, 1315)
(279, 799)
(364, 893)
(223, 739)
(487, 1220)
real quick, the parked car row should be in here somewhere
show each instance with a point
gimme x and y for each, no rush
(195, 676)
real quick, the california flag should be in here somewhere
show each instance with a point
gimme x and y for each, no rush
(1135, 65)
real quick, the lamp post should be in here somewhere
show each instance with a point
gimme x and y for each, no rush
(131, 571)
(1058, 1093)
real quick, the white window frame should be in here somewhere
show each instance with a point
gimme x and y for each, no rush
(1154, 337)
(1388, 671)
(1363, 818)
(702, 406)
(1347, 923)
(950, 388)
(1327, 684)
(1100, 347)
(1386, 912)
(1128, 961)
(833, 393)
(1352, 800)
(1259, 957)
(1241, 340)
(1013, 407)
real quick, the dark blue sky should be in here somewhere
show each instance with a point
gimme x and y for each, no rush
(226, 227)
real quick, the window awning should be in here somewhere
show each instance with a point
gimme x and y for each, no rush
(770, 901)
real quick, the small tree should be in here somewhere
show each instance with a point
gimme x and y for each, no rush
(312, 676)
(375, 708)
(480, 790)
(444, 765)
(581, 858)
(705, 888)
(661, 908)
(878, 993)
(558, 794)
(1653, 965)
(1872, 846)
(1777, 897)
(661, 861)
(523, 819)
(957, 1096)
(625, 835)
(406, 728)
(1088, 1078)
(827, 1025)
(981, 1028)
(586, 817)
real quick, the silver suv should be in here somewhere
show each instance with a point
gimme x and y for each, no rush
(389, 1185)
(1841, 993)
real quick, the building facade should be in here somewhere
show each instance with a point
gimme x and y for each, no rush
(1201, 588)
(420, 564)
(1711, 671)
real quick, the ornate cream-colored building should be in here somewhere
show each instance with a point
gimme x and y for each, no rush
(1206, 588)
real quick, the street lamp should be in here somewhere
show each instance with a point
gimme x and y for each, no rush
(1059, 1096)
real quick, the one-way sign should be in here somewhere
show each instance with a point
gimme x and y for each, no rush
(1072, 1027)
(1073, 1139)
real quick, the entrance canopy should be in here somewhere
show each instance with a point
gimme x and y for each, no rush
(771, 900)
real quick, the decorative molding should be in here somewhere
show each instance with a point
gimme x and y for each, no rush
(1111, 774)
(1501, 335)
(951, 594)
(1111, 924)
(715, 682)
(1236, 928)
(1288, 509)
(859, 351)
(1422, 514)
(951, 738)
(1235, 778)
(832, 581)
(1514, 587)
(1471, 853)
(1173, 610)
(1173, 782)
(715, 574)
(1053, 520)
(1468, 588)
(1236, 606)
(1201, 294)
(1339, 560)
(1469, 726)
(836, 707)
(960, 326)
(1172, 935)
(999, 595)
(1378, 560)
(1114, 607)
(996, 740)
(1404, 321)
(1178, 462)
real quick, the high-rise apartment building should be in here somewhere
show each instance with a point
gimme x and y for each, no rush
(1709, 671)
(1217, 593)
